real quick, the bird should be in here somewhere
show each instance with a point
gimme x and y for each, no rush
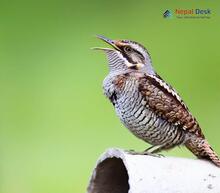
(147, 105)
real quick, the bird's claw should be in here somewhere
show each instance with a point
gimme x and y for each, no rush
(133, 152)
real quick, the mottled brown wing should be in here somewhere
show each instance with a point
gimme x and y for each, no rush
(167, 104)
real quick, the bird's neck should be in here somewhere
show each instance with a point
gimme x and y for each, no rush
(149, 69)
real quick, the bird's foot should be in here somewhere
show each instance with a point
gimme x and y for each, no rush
(133, 152)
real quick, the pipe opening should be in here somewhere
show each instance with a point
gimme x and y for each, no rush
(110, 177)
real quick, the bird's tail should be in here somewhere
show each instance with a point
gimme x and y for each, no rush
(201, 148)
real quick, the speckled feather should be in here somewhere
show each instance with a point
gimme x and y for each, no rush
(166, 103)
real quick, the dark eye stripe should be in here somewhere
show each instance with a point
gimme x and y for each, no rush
(128, 57)
(128, 48)
(141, 56)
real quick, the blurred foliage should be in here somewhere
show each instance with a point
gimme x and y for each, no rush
(55, 121)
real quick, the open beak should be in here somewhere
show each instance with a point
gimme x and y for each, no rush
(108, 41)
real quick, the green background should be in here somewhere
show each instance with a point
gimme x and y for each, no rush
(55, 121)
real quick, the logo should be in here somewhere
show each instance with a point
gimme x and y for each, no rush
(188, 13)
(167, 14)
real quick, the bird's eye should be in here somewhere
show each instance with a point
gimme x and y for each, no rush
(127, 49)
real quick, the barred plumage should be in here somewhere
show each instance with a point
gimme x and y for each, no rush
(135, 113)
(150, 108)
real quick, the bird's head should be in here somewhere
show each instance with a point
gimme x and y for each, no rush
(126, 55)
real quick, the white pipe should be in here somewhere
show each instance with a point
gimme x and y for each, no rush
(120, 172)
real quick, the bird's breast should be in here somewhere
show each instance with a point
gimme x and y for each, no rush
(133, 109)
(131, 106)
